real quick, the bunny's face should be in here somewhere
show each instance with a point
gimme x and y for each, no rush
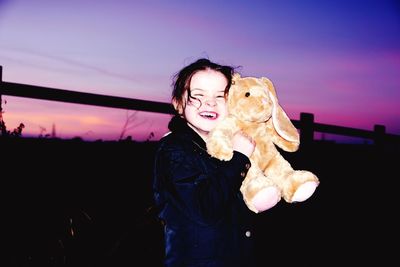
(249, 100)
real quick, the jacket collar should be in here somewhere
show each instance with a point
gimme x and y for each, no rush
(179, 125)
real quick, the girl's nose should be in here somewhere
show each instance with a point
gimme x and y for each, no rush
(210, 101)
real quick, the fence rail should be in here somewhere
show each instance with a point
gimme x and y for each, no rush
(306, 124)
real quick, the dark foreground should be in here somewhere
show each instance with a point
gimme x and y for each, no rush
(75, 203)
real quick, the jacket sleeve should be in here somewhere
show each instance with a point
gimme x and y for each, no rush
(199, 190)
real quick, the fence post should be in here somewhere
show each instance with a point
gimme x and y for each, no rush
(379, 134)
(1, 99)
(306, 128)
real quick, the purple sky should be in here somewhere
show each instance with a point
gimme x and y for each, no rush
(337, 59)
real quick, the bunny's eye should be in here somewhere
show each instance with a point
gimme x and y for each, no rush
(247, 94)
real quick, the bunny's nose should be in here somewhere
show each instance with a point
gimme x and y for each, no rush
(265, 100)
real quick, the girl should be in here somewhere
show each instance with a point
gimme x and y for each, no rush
(206, 222)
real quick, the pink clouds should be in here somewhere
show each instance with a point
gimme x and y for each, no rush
(72, 120)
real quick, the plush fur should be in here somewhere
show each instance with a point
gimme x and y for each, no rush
(254, 109)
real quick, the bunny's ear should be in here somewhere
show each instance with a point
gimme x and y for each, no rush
(235, 77)
(282, 124)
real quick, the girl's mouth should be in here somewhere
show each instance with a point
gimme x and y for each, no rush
(209, 115)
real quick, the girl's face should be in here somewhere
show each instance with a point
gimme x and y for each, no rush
(207, 104)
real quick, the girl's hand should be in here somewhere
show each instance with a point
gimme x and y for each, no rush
(243, 143)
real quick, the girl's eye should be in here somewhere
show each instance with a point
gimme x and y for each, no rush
(221, 96)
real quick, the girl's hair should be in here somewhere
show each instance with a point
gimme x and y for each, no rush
(181, 80)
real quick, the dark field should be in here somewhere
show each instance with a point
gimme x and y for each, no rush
(75, 203)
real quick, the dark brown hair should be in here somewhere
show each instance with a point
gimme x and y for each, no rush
(181, 80)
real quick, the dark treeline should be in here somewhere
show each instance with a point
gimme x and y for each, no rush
(77, 203)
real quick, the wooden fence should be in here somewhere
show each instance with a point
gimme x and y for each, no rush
(306, 124)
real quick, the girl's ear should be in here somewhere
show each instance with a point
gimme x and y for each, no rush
(177, 106)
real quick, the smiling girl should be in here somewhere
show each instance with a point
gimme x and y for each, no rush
(206, 222)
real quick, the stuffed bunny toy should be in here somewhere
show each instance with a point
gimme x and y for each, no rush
(254, 110)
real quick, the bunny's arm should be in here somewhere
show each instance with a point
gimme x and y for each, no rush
(219, 140)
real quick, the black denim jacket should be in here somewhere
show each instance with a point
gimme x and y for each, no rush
(206, 222)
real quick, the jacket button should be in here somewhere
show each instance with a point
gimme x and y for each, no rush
(243, 174)
(247, 165)
(248, 233)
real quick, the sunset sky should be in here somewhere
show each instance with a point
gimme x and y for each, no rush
(338, 59)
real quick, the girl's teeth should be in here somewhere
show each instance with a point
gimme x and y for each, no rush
(208, 115)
